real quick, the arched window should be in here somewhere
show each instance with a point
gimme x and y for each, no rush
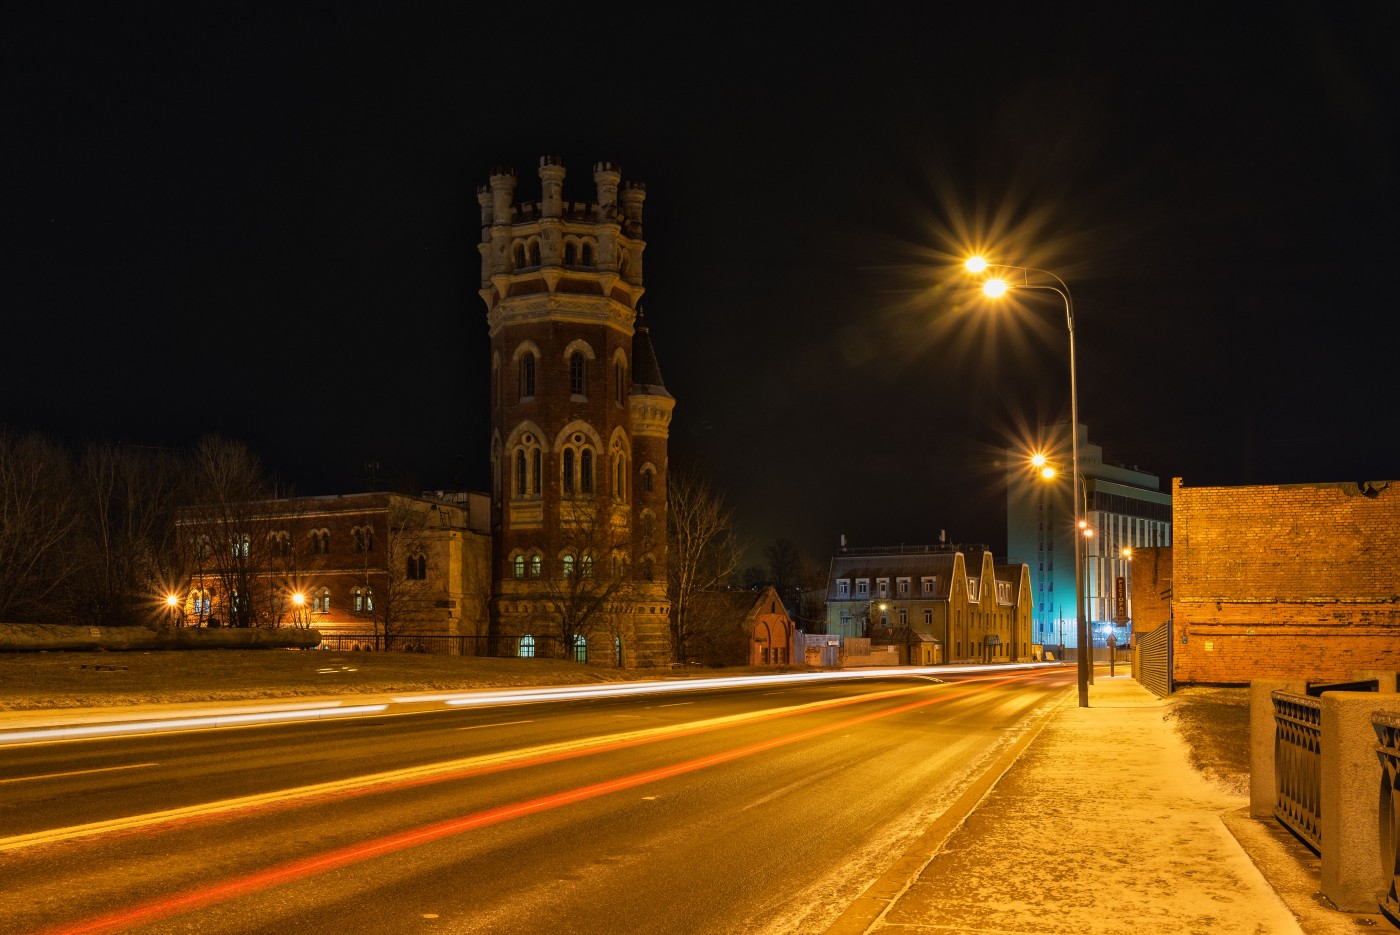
(585, 566)
(620, 478)
(241, 545)
(321, 542)
(585, 471)
(520, 478)
(570, 254)
(535, 473)
(587, 254)
(568, 566)
(527, 646)
(279, 544)
(417, 566)
(520, 566)
(578, 372)
(519, 255)
(618, 396)
(364, 600)
(580, 649)
(364, 538)
(527, 375)
(648, 479)
(534, 253)
(568, 472)
(321, 601)
(536, 566)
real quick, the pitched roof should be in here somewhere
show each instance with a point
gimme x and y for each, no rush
(646, 372)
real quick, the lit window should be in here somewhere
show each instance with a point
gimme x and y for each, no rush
(527, 646)
(568, 566)
(580, 649)
(520, 566)
(586, 566)
(536, 566)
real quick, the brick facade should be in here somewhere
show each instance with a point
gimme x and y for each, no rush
(1296, 581)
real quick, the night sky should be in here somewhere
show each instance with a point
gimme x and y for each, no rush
(261, 222)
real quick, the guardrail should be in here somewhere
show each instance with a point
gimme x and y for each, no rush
(1387, 728)
(1298, 765)
(545, 647)
(1316, 767)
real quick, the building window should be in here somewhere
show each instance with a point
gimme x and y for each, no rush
(577, 373)
(902, 586)
(527, 375)
(240, 546)
(580, 649)
(586, 566)
(364, 600)
(417, 567)
(364, 538)
(571, 254)
(585, 471)
(536, 566)
(568, 566)
(928, 618)
(884, 586)
(903, 617)
(519, 566)
(843, 588)
(527, 646)
(587, 254)
(279, 544)
(321, 542)
(321, 601)
(618, 372)
(927, 585)
(520, 474)
(862, 587)
(568, 472)
(534, 253)
(535, 472)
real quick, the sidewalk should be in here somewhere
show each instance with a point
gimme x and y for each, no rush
(1102, 826)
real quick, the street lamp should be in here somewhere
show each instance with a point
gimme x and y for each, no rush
(999, 281)
(172, 603)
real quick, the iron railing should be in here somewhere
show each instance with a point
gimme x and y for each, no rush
(1387, 728)
(1298, 766)
(545, 647)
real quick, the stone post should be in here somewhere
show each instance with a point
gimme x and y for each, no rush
(1263, 788)
(1352, 875)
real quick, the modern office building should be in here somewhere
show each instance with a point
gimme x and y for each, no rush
(1124, 508)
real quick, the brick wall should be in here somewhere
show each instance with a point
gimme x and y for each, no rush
(1298, 581)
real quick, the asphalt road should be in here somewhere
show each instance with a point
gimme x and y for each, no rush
(762, 809)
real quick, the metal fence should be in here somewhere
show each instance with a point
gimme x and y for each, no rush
(1298, 765)
(1154, 656)
(544, 647)
(1387, 728)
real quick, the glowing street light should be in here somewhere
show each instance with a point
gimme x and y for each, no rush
(999, 281)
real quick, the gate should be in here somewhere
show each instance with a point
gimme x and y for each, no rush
(1154, 657)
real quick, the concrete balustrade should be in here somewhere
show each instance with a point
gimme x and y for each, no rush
(1354, 877)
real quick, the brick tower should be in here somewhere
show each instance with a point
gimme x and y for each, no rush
(580, 420)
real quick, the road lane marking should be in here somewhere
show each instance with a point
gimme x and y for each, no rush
(78, 772)
(497, 724)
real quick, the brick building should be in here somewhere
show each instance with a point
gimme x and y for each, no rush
(1290, 581)
(958, 606)
(741, 628)
(382, 565)
(580, 420)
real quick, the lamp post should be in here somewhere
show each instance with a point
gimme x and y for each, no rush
(998, 283)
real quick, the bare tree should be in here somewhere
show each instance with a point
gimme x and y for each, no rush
(587, 585)
(811, 604)
(128, 500)
(784, 566)
(704, 550)
(400, 595)
(226, 530)
(37, 522)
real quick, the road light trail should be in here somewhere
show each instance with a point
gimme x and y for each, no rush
(328, 861)
(439, 772)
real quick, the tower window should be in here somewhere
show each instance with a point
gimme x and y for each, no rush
(570, 254)
(535, 253)
(587, 255)
(527, 375)
(568, 471)
(577, 374)
(417, 567)
(585, 471)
